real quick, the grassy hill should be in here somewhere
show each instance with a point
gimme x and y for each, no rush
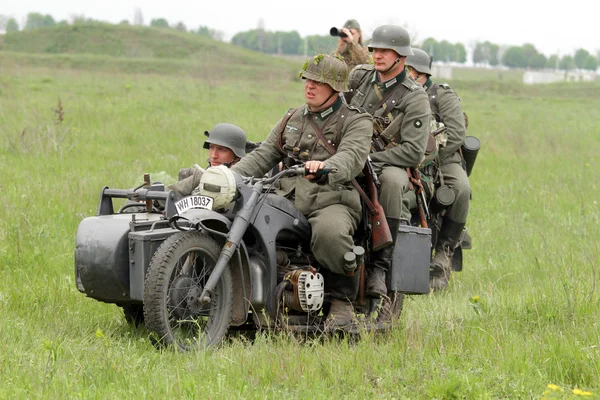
(100, 46)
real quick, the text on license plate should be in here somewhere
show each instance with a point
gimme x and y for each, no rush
(186, 203)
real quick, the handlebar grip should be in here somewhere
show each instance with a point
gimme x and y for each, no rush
(325, 171)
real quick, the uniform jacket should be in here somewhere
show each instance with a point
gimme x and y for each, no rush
(349, 130)
(354, 54)
(446, 108)
(408, 102)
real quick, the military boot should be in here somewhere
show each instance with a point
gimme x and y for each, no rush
(441, 264)
(381, 261)
(343, 290)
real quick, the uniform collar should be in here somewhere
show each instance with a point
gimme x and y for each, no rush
(323, 114)
(389, 83)
(427, 83)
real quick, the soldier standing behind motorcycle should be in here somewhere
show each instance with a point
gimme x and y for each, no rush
(330, 202)
(226, 145)
(351, 46)
(401, 117)
(446, 108)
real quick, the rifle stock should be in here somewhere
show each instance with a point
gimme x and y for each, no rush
(381, 236)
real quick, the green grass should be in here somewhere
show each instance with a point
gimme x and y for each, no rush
(523, 314)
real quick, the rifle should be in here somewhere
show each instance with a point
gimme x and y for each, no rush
(381, 236)
(415, 180)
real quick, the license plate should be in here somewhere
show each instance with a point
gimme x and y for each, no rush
(190, 202)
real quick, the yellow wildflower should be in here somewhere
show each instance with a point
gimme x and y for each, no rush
(579, 392)
(554, 387)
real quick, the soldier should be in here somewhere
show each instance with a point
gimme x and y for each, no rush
(446, 108)
(330, 202)
(351, 46)
(401, 117)
(226, 145)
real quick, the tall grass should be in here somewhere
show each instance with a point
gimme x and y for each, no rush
(522, 315)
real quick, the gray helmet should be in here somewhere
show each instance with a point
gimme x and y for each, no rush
(227, 135)
(420, 61)
(352, 24)
(327, 69)
(393, 37)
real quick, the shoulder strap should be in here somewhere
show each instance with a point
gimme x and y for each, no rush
(284, 122)
(332, 151)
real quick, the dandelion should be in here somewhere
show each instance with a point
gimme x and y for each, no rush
(554, 387)
(579, 392)
(474, 299)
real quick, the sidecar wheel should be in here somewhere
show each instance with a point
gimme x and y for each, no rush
(176, 277)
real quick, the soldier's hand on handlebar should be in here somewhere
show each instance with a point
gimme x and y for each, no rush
(312, 167)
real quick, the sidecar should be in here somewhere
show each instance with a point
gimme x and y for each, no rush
(113, 249)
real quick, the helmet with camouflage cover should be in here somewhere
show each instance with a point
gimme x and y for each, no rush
(420, 61)
(227, 135)
(328, 69)
(352, 24)
(393, 37)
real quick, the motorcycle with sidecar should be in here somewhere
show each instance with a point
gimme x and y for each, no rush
(193, 268)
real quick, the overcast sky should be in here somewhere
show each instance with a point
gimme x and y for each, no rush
(562, 28)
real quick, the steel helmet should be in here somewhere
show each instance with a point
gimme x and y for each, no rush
(352, 24)
(327, 69)
(420, 61)
(393, 37)
(227, 135)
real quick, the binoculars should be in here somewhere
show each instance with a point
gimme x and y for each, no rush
(337, 32)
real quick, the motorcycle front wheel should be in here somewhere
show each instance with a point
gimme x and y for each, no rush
(173, 312)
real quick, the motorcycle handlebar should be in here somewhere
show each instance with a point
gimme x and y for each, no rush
(299, 171)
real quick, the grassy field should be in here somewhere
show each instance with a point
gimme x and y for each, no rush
(521, 320)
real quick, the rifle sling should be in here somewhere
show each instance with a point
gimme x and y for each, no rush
(332, 151)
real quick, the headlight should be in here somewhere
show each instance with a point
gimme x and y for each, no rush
(218, 183)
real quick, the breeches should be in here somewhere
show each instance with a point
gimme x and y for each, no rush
(393, 192)
(332, 230)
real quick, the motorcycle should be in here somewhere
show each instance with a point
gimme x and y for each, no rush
(196, 267)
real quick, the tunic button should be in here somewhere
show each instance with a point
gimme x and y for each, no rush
(370, 105)
(310, 136)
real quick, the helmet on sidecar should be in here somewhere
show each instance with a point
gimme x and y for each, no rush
(218, 183)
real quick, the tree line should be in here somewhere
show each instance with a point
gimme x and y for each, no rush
(291, 43)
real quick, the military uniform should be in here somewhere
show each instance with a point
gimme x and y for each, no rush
(446, 108)
(406, 145)
(332, 206)
(354, 54)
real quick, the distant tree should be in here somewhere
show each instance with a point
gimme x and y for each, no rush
(460, 53)
(552, 62)
(316, 44)
(514, 57)
(12, 25)
(530, 52)
(580, 57)
(159, 23)
(209, 32)
(288, 42)
(3, 20)
(180, 26)
(590, 63)
(538, 61)
(430, 46)
(37, 20)
(138, 17)
(486, 53)
(124, 22)
(445, 51)
(567, 63)
(62, 22)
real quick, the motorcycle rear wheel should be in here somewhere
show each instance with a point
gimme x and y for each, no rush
(175, 280)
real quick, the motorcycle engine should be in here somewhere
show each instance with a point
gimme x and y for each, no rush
(303, 290)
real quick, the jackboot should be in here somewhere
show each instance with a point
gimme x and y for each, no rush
(381, 261)
(343, 290)
(440, 267)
